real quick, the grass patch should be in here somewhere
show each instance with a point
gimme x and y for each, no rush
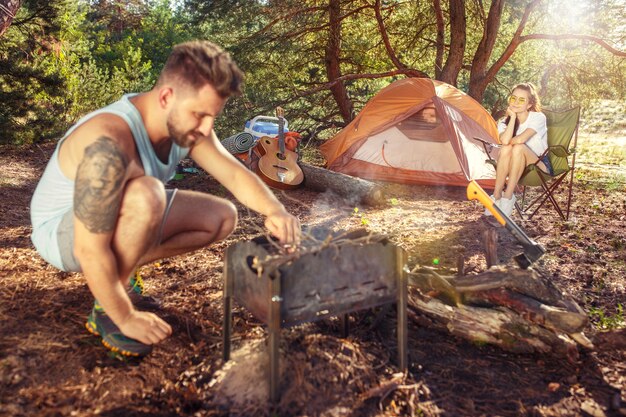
(604, 116)
(598, 150)
(605, 321)
(601, 179)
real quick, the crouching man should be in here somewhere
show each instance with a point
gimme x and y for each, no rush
(101, 207)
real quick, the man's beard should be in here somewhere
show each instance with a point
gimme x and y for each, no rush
(184, 139)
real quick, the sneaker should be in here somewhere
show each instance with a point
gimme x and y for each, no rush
(487, 212)
(507, 205)
(99, 324)
(140, 300)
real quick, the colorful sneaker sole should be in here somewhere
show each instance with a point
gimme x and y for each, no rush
(114, 339)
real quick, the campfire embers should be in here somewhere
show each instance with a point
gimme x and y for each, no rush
(330, 276)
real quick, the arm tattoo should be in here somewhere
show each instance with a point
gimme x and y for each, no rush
(99, 185)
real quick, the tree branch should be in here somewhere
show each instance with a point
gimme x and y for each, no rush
(383, 33)
(515, 41)
(8, 10)
(287, 16)
(409, 72)
(567, 36)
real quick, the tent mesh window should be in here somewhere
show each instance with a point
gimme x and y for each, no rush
(423, 125)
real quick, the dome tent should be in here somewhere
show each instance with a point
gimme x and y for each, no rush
(416, 131)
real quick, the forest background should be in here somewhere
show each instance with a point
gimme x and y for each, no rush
(321, 60)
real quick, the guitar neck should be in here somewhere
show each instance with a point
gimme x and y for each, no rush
(281, 129)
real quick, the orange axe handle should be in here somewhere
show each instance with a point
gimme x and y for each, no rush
(475, 192)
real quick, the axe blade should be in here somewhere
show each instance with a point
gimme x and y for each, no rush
(532, 249)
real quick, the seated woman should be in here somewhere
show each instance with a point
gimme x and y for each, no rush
(524, 137)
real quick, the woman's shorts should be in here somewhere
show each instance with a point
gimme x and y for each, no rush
(546, 162)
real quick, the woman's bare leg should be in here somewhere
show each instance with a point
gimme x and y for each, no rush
(521, 156)
(502, 170)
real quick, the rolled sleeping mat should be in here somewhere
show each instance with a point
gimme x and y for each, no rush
(239, 143)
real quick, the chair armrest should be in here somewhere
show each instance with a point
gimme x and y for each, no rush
(560, 150)
(484, 142)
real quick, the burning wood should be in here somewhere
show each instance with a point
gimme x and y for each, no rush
(312, 242)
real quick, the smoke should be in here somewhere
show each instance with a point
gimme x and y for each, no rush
(330, 209)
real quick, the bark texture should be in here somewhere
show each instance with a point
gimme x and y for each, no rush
(333, 61)
(352, 188)
(517, 310)
(458, 39)
(8, 10)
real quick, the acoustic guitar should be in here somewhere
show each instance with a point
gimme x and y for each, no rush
(278, 167)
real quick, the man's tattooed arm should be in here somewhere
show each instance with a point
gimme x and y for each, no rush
(99, 185)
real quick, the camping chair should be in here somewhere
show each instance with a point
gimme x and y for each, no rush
(562, 128)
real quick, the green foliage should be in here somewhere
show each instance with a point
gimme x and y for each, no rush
(567, 71)
(26, 114)
(606, 321)
(88, 57)
(74, 57)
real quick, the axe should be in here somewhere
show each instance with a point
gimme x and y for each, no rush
(532, 249)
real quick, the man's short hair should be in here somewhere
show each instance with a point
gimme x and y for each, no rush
(196, 63)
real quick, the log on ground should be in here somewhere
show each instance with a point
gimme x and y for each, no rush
(352, 188)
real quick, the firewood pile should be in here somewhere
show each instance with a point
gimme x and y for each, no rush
(520, 311)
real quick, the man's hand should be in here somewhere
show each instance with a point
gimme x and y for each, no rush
(148, 328)
(284, 226)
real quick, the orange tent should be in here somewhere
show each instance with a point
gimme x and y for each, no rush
(416, 131)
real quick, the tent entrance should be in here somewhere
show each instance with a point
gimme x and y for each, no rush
(392, 148)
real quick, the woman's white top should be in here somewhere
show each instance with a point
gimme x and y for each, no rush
(536, 121)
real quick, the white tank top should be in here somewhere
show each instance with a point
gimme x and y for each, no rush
(54, 194)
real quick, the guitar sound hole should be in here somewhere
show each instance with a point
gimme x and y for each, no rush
(280, 156)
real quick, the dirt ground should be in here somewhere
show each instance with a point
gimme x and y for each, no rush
(51, 366)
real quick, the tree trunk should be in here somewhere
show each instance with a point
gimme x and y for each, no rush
(458, 35)
(8, 10)
(440, 40)
(478, 75)
(356, 190)
(333, 62)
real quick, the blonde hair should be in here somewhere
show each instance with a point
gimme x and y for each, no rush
(194, 63)
(535, 102)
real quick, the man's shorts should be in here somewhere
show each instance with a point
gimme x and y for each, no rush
(65, 234)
